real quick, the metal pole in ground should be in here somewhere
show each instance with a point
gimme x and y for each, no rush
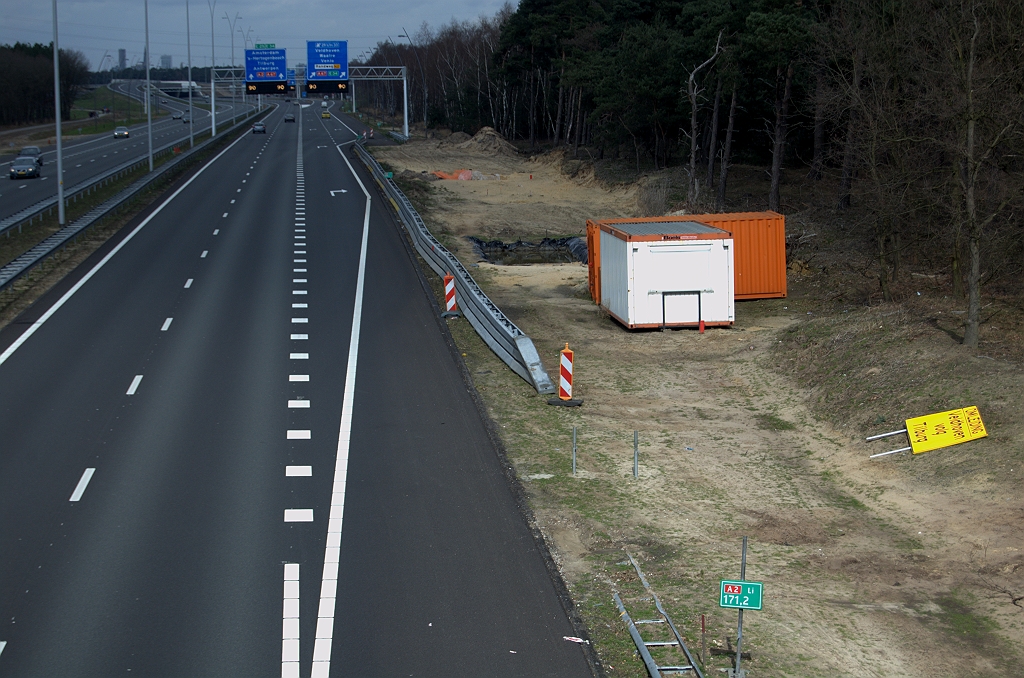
(56, 96)
(739, 625)
(213, 65)
(636, 454)
(574, 450)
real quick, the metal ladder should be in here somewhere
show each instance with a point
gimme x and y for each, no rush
(642, 646)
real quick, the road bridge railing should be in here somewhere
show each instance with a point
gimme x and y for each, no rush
(502, 335)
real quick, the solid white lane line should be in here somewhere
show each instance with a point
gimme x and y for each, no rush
(110, 255)
(216, 231)
(299, 404)
(298, 356)
(299, 337)
(298, 377)
(166, 325)
(3, 644)
(203, 255)
(135, 385)
(298, 516)
(188, 283)
(332, 552)
(82, 484)
(290, 626)
(299, 434)
(297, 471)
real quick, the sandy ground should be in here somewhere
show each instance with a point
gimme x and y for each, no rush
(901, 567)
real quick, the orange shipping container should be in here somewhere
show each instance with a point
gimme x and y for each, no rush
(759, 259)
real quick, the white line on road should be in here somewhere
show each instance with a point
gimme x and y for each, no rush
(167, 325)
(232, 201)
(332, 552)
(203, 255)
(188, 283)
(3, 644)
(135, 385)
(300, 321)
(299, 280)
(223, 215)
(300, 305)
(298, 471)
(290, 627)
(299, 434)
(298, 356)
(298, 377)
(299, 337)
(299, 292)
(216, 231)
(299, 404)
(298, 515)
(82, 484)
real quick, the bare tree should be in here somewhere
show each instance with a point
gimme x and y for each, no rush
(693, 91)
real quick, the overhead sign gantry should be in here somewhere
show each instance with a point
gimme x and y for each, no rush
(326, 66)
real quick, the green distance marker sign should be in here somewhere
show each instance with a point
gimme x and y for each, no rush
(744, 595)
(265, 45)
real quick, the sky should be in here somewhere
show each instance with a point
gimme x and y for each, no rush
(96, 27)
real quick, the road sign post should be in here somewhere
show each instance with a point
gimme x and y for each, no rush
(741, 595)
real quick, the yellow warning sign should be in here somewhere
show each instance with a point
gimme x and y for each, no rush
(942, 429)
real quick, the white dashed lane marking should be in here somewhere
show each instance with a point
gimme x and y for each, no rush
(203, 255)
(299, 404)
(299, 337)
(80, 487)
(298, 515)
(134, 385)
(299, 434)
(166, 325)
(298, 377)
(298, 356)
(294, 471)
(188, 283)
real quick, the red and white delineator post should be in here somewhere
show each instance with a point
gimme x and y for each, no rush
(565, 374)
(451, 307)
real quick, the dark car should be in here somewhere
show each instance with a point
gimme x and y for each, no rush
(176, 115)
(24, 166)
(186, 120)
(290, 117)
(259, 128)
(32, 152)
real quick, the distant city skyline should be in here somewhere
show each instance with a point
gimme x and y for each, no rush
(100, 28)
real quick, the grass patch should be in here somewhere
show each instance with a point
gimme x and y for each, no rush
(770, 422)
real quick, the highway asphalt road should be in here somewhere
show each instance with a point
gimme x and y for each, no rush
(201, 473)
(86, 159)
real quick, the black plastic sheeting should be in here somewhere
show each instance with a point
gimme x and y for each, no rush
(521, 252)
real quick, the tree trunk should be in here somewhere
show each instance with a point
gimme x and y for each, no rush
(533, 110)
(713, 137)
(558, 118)
(579, 124)
(818, 159)
(779, 145)
(726, 153)
(846, 178)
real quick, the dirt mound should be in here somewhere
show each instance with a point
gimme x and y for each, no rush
(487, 140)
(454, 140)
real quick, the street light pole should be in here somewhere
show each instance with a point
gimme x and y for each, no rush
(234, 83)
(149, 93)
(422, 75)
(188, 40)
(213, 65)
(56, 96)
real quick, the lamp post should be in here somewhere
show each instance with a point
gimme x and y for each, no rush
(422, 75)
(234, 83)
(56, 96)
(213, 65)
(188, 41)
(149, 93)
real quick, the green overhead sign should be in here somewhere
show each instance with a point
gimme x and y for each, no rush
(265, 45)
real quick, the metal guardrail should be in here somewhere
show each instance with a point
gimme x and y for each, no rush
(31, 258)
(502, 336)
(397, 136)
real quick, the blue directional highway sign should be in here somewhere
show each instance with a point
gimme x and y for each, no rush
(265, 65)
(326, 60)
